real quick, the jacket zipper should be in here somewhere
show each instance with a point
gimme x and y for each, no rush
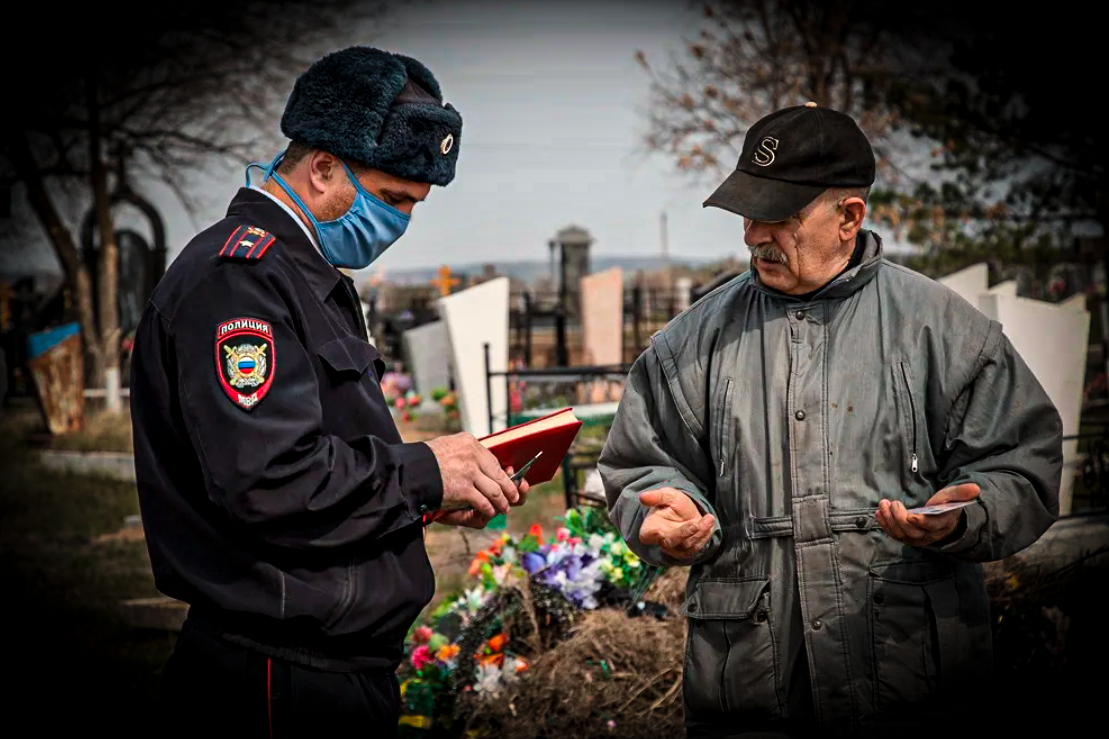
(913, 461)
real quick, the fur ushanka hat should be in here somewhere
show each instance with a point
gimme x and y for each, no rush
(377, 108)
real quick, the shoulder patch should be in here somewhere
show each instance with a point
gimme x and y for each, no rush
(247, 243)
(246, 358)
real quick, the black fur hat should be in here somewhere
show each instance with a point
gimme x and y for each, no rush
(377, 108)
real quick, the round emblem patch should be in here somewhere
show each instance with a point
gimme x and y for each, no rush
(447, 144)
(245, 360)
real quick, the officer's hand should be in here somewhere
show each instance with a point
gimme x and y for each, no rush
(471, 518)
(472, 476)
(918, 530)
(675, 523)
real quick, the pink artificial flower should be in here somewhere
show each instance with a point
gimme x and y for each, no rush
(422, 634)
(562, 534)
(421, 657)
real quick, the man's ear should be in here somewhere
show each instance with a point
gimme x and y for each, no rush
(851, 218)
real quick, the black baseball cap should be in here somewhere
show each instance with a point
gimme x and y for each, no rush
(792, 156)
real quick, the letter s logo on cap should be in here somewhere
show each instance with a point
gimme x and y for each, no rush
(764, 154)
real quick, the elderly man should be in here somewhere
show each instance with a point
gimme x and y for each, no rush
(276, 495)
(775, 436)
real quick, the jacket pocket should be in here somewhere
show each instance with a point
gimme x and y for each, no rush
(907, 412)
(913, 633)
(723, 430)
(348, 358)
(731, 660)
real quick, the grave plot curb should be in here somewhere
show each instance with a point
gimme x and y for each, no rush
(116, 465)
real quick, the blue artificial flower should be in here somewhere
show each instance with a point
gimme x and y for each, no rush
(533, 561)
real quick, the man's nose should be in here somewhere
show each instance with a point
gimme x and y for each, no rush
(755, 233)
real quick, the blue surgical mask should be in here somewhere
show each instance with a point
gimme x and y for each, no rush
(359, 236)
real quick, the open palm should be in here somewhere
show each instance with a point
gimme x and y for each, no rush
(675, 524)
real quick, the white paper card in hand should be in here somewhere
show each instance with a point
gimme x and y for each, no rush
(934, 510)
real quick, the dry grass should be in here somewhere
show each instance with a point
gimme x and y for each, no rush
(613, 676)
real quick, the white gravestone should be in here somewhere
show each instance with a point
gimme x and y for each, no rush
(969, 283)
(475, 317)
(1052, 339)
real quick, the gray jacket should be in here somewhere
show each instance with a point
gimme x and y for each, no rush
(789, 421)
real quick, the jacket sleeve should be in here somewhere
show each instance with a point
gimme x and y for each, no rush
(651, 446)
(272, 468)
(1004, 434)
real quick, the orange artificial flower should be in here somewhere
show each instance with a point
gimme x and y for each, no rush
(447, 652)
(497, 643)
(475, 566)
(537, 531)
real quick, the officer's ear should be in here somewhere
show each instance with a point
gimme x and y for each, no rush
(324, 171)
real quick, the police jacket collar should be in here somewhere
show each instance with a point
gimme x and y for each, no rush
(257, 209)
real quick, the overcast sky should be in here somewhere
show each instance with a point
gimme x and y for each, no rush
(552, 105)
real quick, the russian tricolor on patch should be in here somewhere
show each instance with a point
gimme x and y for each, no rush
(245, 360)
(246, 242)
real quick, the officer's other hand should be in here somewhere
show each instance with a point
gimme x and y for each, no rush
(472, 476)
(470, 518)
(918, 530)
(675, 523)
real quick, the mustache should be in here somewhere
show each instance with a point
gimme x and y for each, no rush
(768, 253)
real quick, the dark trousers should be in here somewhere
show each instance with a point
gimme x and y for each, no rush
(211, 688)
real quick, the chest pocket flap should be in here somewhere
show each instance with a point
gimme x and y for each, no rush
(348, 357)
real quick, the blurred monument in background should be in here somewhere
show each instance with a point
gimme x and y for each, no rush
(602, 317)
(572, 244)
(427, 355)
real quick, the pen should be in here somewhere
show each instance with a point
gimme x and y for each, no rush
(519, 474)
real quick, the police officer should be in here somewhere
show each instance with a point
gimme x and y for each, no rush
(277, 497)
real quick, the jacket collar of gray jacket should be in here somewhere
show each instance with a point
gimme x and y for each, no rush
(844, 285)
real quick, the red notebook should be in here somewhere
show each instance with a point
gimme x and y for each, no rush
(513, 447)
(552, 434)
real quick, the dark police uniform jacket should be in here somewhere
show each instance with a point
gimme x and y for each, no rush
(276, 495)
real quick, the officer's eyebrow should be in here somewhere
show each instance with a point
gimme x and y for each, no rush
(400, 196)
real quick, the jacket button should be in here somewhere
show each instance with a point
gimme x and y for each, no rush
(423, 509)
(799, 415)
(692, 607)
(860, 522)
(879, 599)
(799, 315)
(760, 616)
(816, 624)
